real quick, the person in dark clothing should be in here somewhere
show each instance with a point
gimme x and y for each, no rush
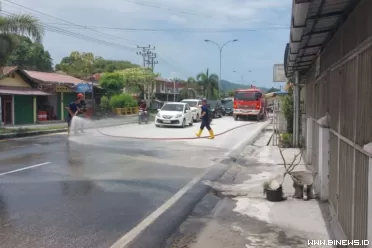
(205, 120)
(83, 110)
(73, 109)
(143, 105)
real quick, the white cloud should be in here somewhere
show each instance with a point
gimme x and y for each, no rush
(186, 50)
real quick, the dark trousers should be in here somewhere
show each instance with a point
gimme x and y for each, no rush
(205, 123)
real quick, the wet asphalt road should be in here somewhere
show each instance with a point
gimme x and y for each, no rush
(90, 191)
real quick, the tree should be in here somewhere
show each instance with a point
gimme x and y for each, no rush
(272, 89)
(209, 84)
(288, 108)
(77, 64)
(122, 100)
(83, 65)
(30, 56)
(231, 93)
(17, 25)
(112, 82)
(140, 78)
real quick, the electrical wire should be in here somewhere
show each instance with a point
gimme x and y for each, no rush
(188, 30)
(61, 31)
(73, 24)
(80, 36)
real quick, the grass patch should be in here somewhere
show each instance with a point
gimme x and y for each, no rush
(26, 130)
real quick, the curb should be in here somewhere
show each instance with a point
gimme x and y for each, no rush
(49, 131)
(169, 221)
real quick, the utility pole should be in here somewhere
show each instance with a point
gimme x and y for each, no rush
(151, 62)
(144, 52)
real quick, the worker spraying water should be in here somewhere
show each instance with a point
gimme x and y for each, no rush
(73, 109)
(82, 111)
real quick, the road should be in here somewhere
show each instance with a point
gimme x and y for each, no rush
(91, 190)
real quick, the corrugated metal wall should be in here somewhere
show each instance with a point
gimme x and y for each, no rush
(344, 90)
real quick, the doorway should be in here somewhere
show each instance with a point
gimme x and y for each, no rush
(7, 107)
(7, 112)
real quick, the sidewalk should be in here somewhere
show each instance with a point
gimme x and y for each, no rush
(243, 218)
(38, 129)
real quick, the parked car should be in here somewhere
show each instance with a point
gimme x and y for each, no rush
(210, 113)
(228, 108)
(174, 114)
(216, 108)
(195, 106)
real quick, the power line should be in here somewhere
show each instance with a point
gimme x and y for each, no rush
(192, 30)
(97, 41)
(143, 3)
(145, 52)
(80, 36)
(71, 23)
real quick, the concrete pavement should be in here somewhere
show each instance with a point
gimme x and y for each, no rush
(243, 217)
(94, 190)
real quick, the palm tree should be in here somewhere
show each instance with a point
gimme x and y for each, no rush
(209, 84)
(13, 25)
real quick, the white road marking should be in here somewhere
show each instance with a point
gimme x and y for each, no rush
(24, 168)
(136, 231)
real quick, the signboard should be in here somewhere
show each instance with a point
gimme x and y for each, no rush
(279, 73)
(84, 87)
(60, 88)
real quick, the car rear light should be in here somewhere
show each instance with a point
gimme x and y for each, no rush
(235, 105)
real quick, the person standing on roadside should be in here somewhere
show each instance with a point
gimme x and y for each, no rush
(83, 110)
(205, 120)
(72, 109)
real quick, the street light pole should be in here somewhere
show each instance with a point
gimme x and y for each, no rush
(174, 90)
(220, 49)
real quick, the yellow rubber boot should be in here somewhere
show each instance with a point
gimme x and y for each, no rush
(211, 134)
(199, 133)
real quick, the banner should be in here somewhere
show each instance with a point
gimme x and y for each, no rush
(84, 87)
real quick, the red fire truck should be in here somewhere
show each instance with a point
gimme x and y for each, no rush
(249, 103)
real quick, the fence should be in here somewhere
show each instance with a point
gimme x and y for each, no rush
(343, 90)
(342, 178)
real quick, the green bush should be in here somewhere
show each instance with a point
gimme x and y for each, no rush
(288, 109)
(122, 101)
(286, 139)
(105, 102)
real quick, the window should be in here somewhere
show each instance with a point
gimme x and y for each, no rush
(191, 103)
(173, 107)
(248, 96)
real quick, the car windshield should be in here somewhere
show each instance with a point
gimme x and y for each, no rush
(228, 104)
(246, 96)
(213, 103)
(173, 107)
(191, 103)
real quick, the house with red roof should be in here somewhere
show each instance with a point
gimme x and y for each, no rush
(29, 97)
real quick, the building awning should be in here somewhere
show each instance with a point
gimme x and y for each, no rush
(22, 91)
(312, 25)
(278, 93)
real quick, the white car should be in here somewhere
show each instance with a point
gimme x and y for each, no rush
(195, 106)
(174, 114)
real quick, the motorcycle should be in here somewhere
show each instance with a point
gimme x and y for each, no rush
(143, 116)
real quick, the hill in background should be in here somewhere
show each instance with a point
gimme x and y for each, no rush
(229, 86)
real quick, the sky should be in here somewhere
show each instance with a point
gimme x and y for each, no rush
(112, 29)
